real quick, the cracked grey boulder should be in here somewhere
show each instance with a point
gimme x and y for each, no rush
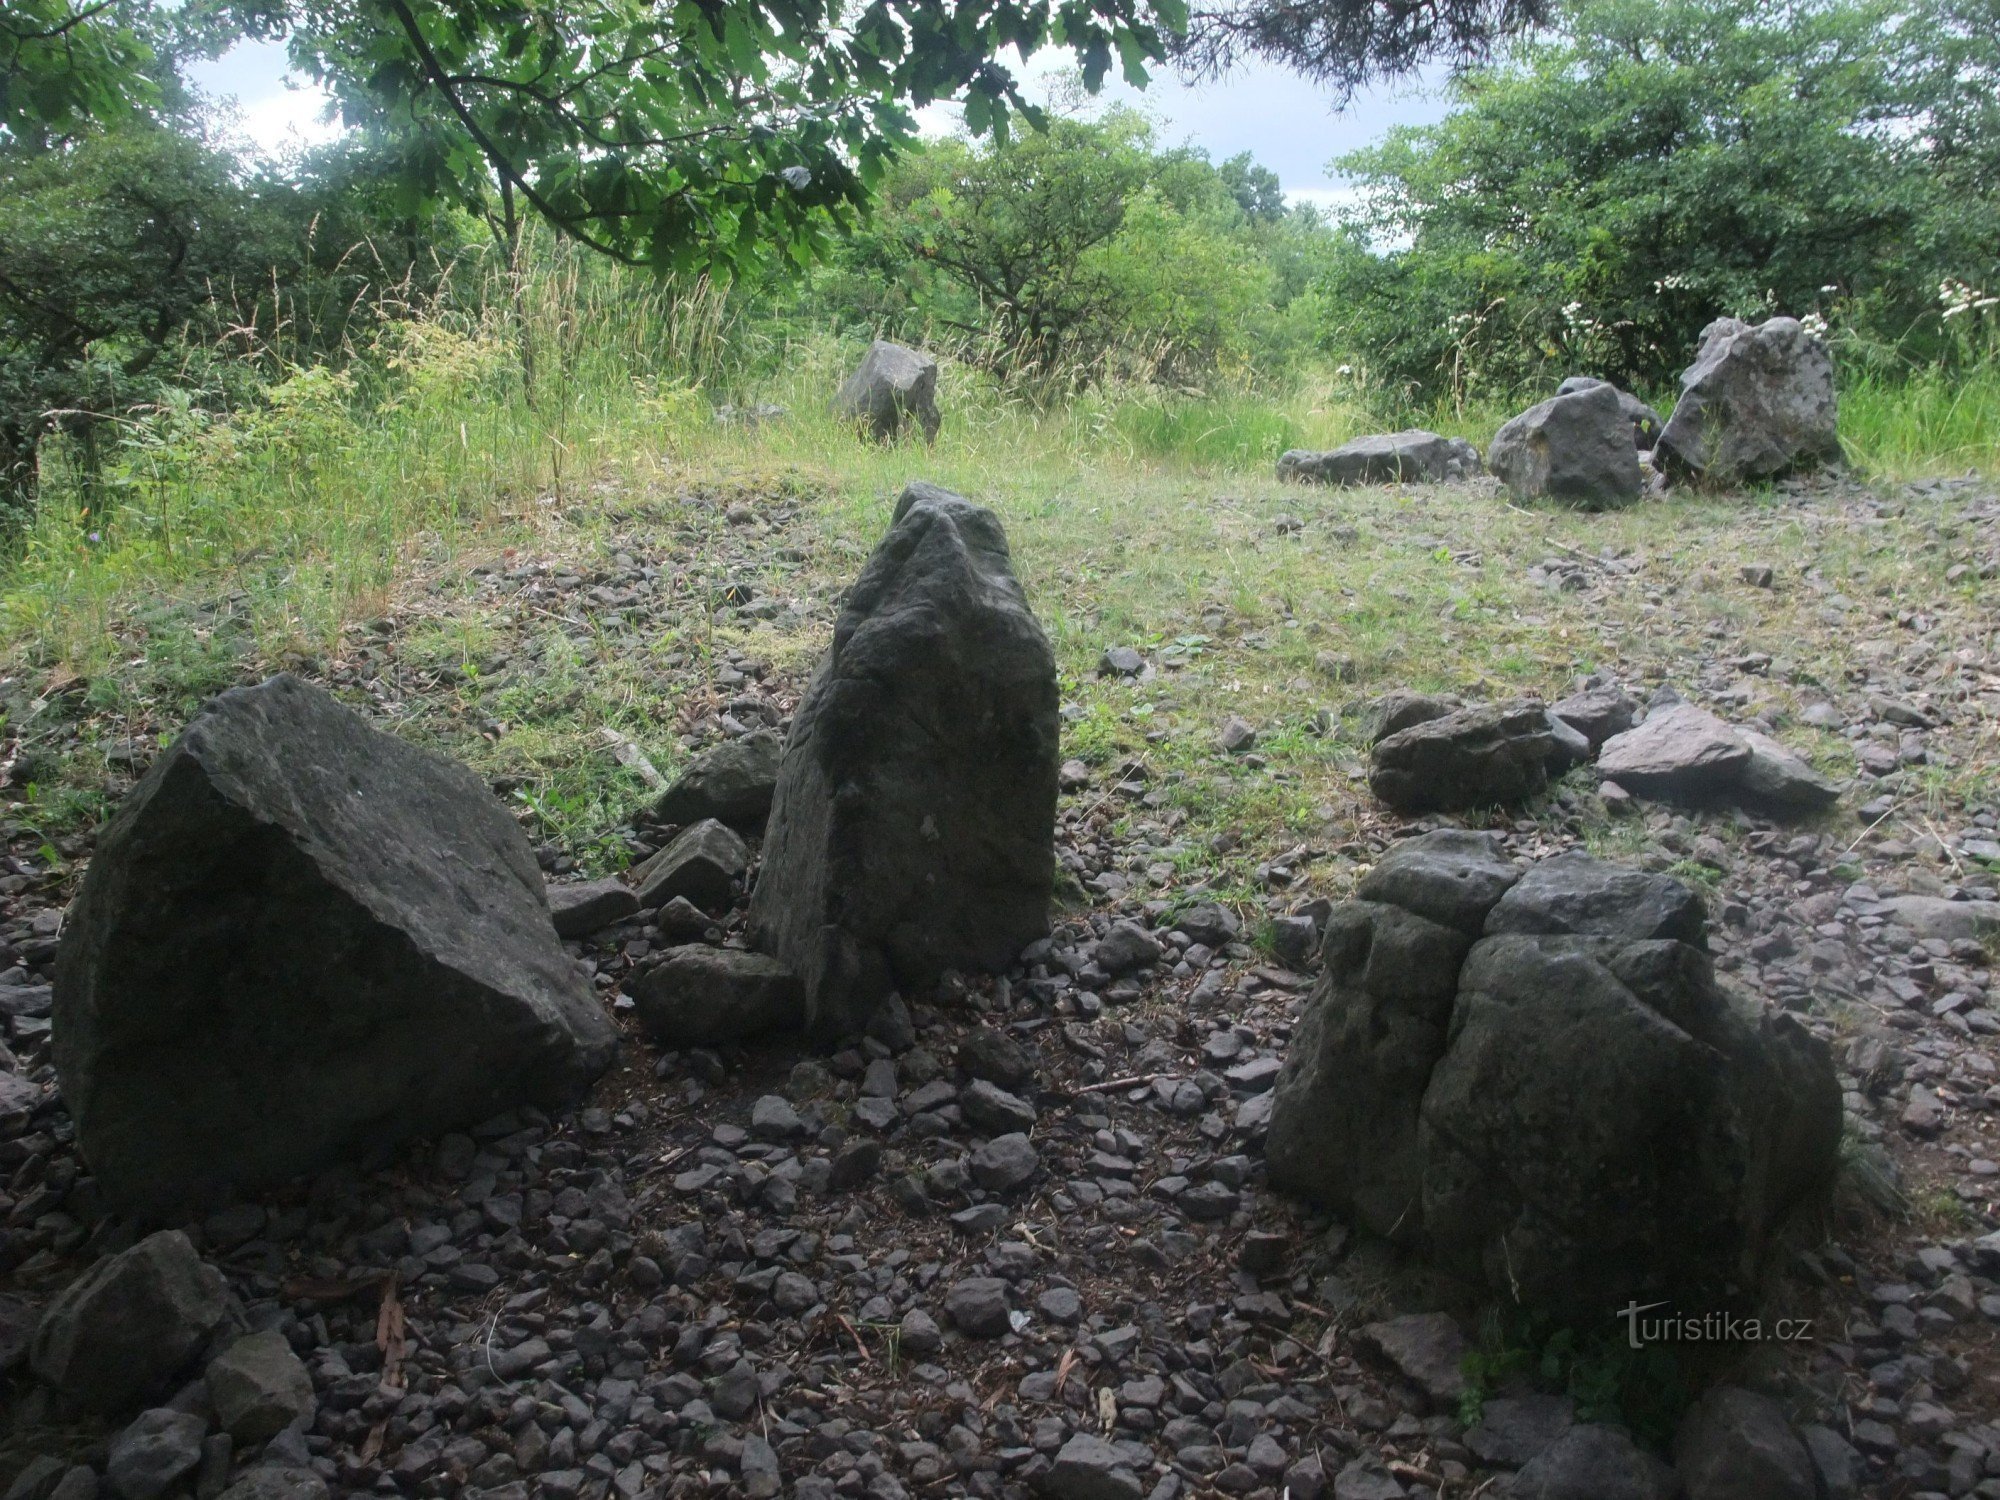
(1496, 1102)
(913, 830)
(1757, 403)
(131, 1323)
(1487, 755)
(301, 939)
(706, 997)
(1575, 450)
(1413, 456)
(259, 1387)
(732, 783)
(894, 388)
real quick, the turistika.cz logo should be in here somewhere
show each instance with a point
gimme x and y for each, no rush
(1644, 1325)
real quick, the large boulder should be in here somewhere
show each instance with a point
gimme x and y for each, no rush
(123, 1330)
(303, 939)
(914, 823)
(1757, 403)
(1488, 1068)
(893, 387)
(1646, 423)
(1575, 450)
(1410, 457)
(1487, 755)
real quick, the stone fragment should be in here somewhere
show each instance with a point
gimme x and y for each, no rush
(707, 997)
(702, 865)
(732, 783)
(588, 906)
(259, 1387)
(1412, 457)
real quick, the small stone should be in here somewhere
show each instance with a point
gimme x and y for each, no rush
(1004, 1163)
(581, 909)
(990, 1108)
(1428, 1349)
(977, 1306)
(1237, 736)
(772, 1118)
(1127, 946)
(702, 864)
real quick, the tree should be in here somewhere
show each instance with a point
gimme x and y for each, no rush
(1346, 43)
(1597, 199)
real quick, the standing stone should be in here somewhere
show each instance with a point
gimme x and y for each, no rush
(1575, 450)
(1646, 423)
(891, 387)
(914, 825)
(130, 1324)
(1409, 457)
(303, 939)
(1757, 403)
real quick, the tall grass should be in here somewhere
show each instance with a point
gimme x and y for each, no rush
(494, 399)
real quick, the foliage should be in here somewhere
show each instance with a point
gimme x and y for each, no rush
(1597, 199)
(1646, 1389)
(1078, 253)
(1345, 43)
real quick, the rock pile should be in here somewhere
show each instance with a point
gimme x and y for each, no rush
(1494, 1057)
(1574, 449)
(913, 827)
(893, 389)
(1409, 457)
(1757, 403)
(302, 939)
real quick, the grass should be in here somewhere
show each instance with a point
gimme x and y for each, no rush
(276, 536)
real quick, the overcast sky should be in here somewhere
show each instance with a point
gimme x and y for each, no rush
(1286, 123)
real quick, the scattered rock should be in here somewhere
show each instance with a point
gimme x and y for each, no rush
(977, 1307)
(301, 938)
(277, 1482)
(1004, 1163)
(707, 997)
(1575, 450)
(129, 1324)
(1757, 403)
(893, 387)
(1490, 754)
(1410, 457)
(913, 830)
(732, 783)
(1947, 921)
(1127, 946)
(1237, 736)
(703, 865)
(1512, 1430)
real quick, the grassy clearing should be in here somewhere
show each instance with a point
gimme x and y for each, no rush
(336, 529)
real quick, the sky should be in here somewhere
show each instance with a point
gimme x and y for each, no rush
(1287, 124)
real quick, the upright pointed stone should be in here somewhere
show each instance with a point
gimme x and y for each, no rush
(914, 824)
(302, 939)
